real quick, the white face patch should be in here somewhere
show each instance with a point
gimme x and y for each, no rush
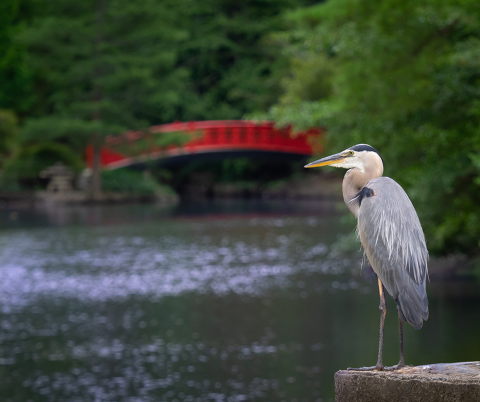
(356, 161)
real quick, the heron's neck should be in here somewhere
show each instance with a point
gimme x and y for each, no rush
(354, 180)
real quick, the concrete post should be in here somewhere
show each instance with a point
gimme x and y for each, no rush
(454, 382)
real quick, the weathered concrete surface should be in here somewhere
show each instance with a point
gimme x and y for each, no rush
(454, 382)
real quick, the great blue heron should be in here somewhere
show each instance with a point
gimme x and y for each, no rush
(391, 236)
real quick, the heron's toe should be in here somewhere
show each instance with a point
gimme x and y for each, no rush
(378, 367)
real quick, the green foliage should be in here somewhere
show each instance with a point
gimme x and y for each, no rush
(404, 77)
(33, 159)
(233, 67)
(133, 183)
(16, 76)
(174, 138)
(77, 71)
(8, 134)
(178, 60)
(8, 147)
(106, 67)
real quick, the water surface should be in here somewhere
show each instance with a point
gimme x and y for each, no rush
(225, 301)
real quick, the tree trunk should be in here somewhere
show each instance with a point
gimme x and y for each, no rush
(96, 191)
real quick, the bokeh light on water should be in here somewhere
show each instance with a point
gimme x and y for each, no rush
(232, 302)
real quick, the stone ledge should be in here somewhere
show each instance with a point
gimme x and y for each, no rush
(453, 382)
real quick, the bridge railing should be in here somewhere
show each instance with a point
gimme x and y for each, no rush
(206, 136)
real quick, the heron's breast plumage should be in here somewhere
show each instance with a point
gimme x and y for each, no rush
(393, 240)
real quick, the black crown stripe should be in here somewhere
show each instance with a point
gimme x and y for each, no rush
(365, 147)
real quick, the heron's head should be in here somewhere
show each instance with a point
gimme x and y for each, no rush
(361, 156)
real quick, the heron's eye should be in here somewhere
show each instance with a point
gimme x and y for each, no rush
(351, 153)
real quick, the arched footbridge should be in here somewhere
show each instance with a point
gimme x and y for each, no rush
(206, 140)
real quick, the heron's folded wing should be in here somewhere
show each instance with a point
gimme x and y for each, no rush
(394, 243)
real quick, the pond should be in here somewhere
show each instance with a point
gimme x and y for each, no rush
(204, 301)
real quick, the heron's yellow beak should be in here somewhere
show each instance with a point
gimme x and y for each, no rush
(329, 160)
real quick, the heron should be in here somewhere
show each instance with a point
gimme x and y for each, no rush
(391, 236)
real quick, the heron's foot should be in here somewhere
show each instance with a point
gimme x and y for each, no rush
(378, 367)
(399, 366)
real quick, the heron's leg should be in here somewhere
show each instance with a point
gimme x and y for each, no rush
(383, 313)
(401, 363)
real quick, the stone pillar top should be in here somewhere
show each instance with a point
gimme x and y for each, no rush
(428, 383)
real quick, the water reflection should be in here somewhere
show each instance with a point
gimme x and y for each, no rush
(244, 256)
(257, 302)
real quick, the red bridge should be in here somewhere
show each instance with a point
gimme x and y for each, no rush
(206, 140)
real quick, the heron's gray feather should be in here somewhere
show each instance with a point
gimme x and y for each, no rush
(394, 243)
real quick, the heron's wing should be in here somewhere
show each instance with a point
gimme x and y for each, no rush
(394, 243)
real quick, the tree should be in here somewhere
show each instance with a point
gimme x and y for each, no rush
(102, 67)
(8, 134)
(404, 77)
(16, 81)
(233, 67)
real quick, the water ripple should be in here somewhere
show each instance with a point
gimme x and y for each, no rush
(90, 266)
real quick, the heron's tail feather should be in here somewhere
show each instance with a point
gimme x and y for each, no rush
(413, 305)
